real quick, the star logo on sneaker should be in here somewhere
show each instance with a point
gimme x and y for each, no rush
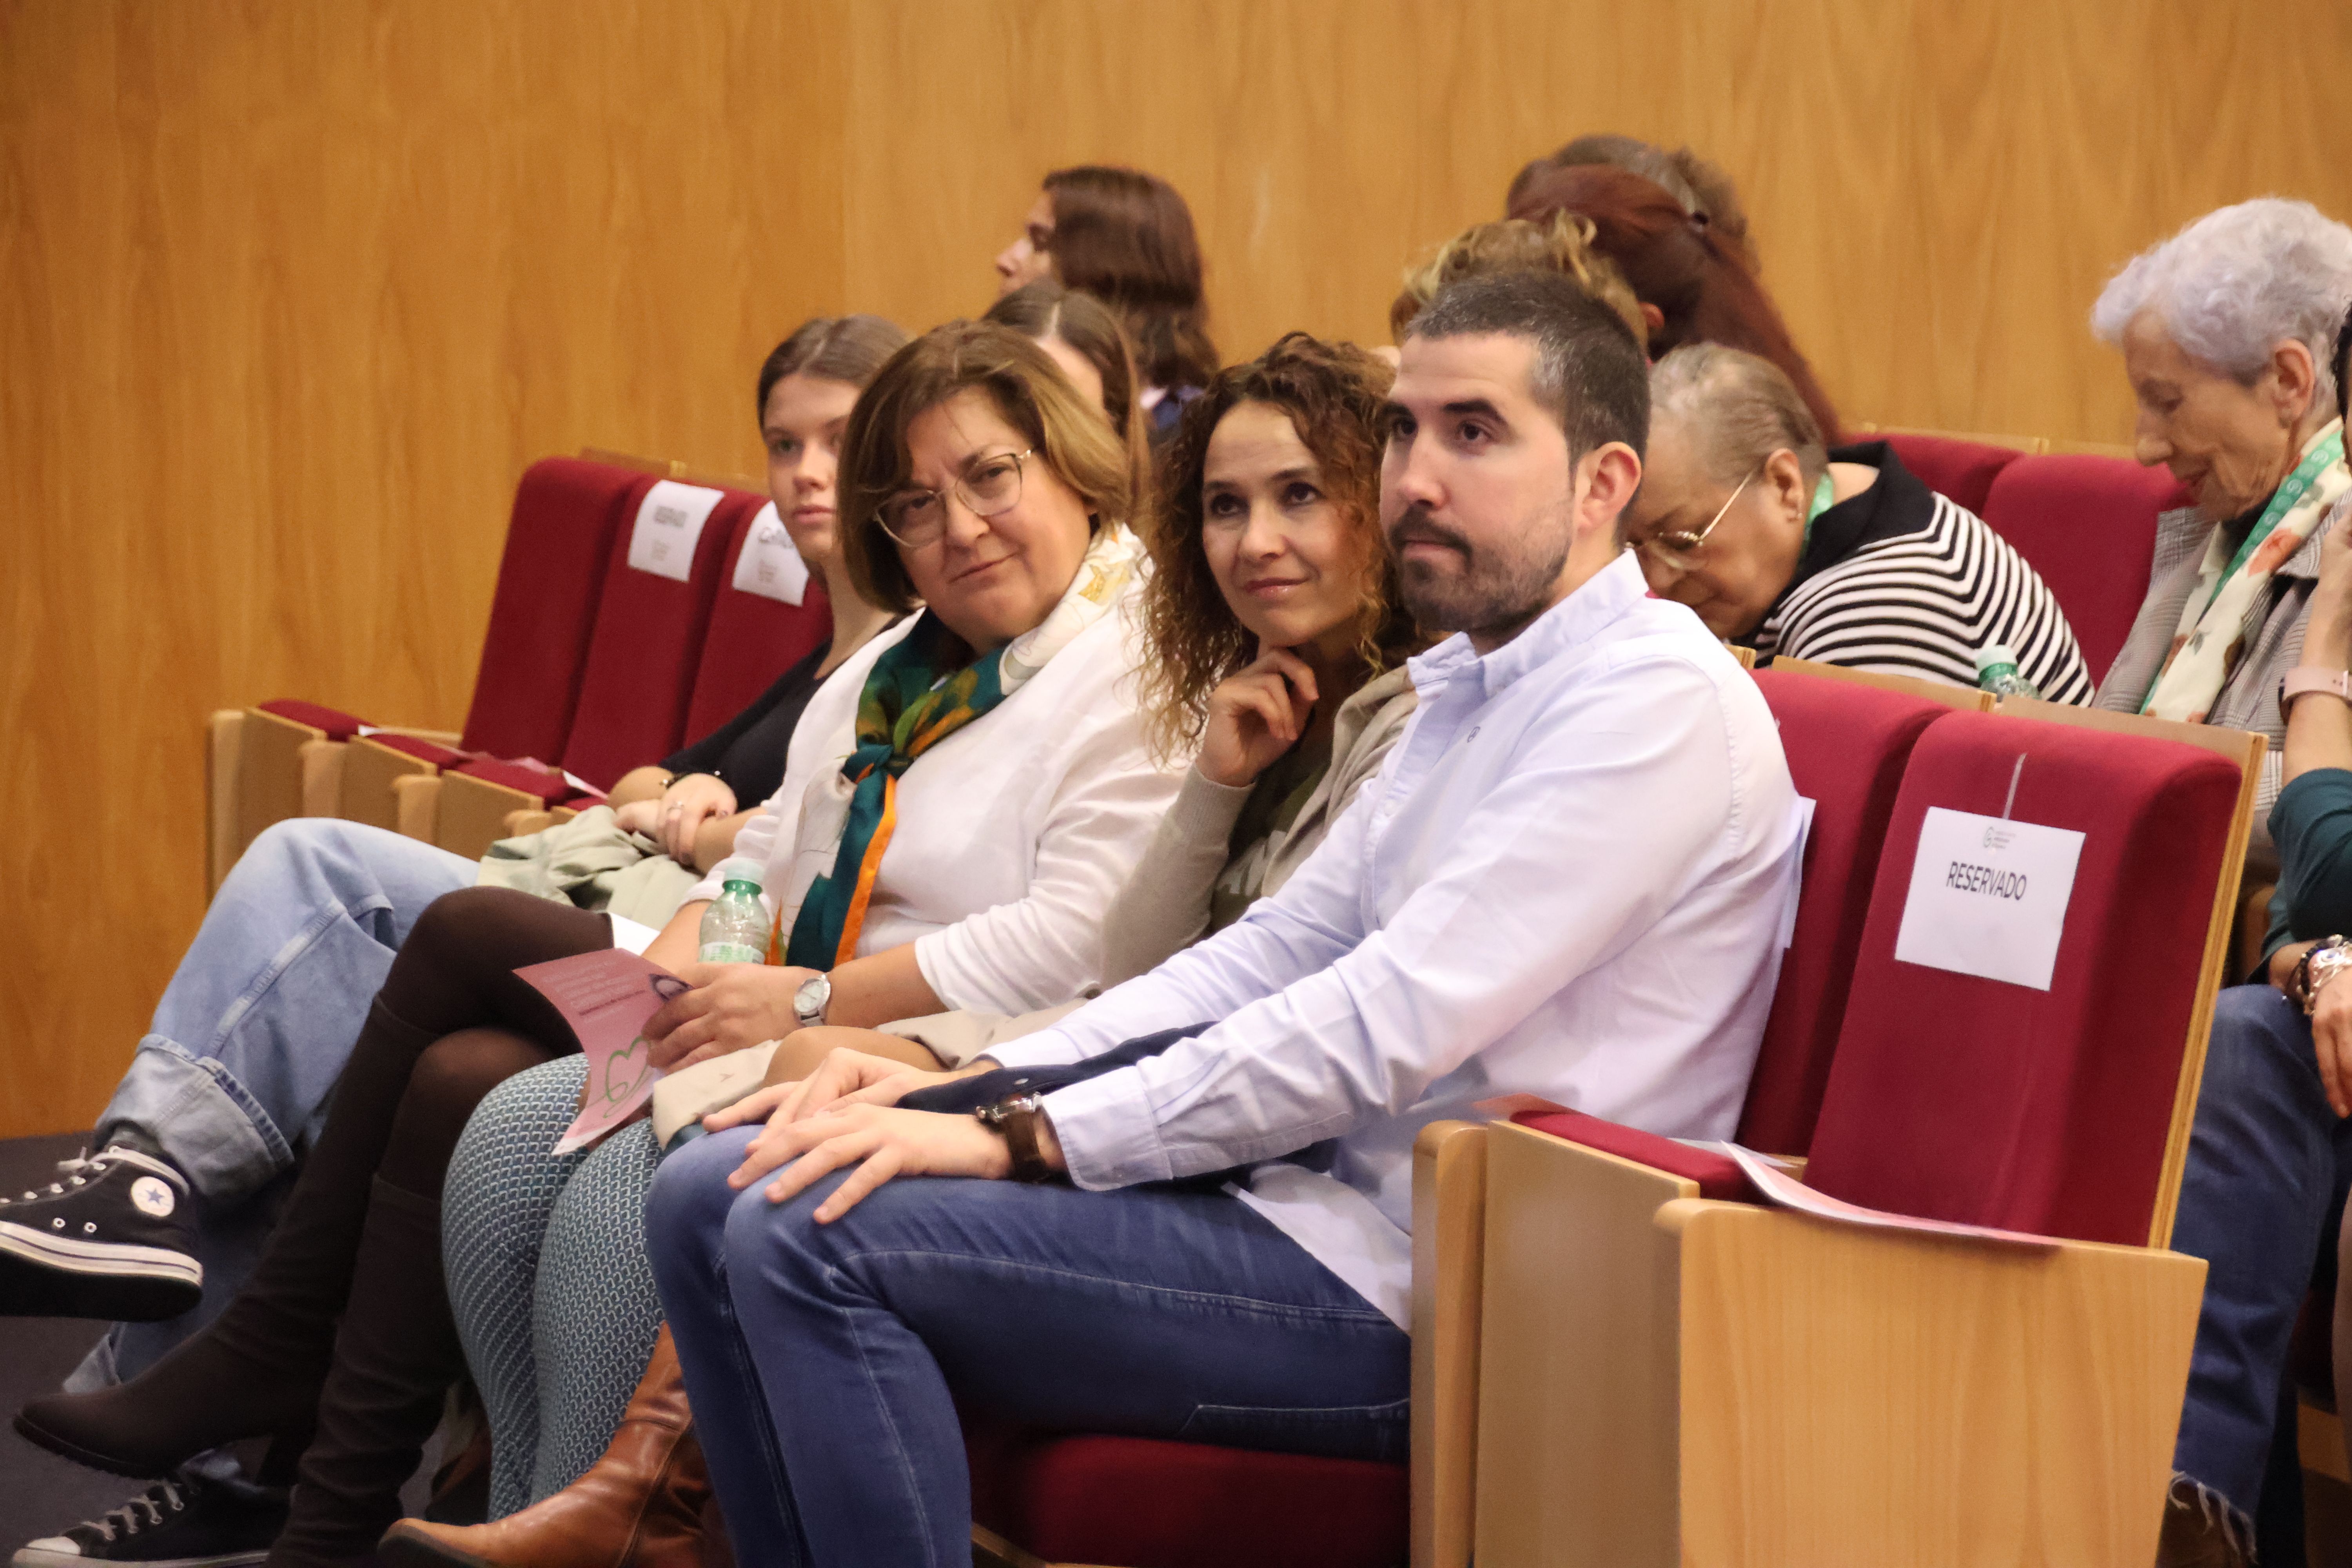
(152, 1197)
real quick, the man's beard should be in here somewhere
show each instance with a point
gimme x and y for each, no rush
(1493, 592)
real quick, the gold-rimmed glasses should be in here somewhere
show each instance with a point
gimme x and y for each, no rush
(990, 485)
(1678, 550)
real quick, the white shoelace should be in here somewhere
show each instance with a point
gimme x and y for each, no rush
(154, 1501)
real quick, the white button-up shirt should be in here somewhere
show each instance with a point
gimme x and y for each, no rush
(1569, 878)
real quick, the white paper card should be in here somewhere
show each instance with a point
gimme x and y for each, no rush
(1804, 813)
(1988, 896)
(770, 566)
(669, 525)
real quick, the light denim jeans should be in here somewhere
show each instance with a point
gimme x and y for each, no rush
(820, 1359)
(251, 1034)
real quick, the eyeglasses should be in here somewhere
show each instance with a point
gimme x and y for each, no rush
(1678, 550)
(991, 486)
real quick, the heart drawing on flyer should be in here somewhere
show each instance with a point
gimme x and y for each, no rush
(626, 1070)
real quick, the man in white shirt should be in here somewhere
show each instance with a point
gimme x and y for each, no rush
(1569, 879)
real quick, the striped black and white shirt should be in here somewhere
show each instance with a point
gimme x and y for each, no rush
(1905, 581)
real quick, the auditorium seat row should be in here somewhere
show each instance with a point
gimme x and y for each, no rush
(1621, 1356)
(633, 612)
(2087, 523)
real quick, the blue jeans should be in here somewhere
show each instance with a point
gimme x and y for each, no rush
(820, 1360)
(2267, 1162)
(252, 1032)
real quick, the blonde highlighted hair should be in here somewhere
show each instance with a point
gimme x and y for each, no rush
(1561, 243)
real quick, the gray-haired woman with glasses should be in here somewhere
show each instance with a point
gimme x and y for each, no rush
(1843, 557)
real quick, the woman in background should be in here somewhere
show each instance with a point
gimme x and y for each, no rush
(1126, 238)
(1693, 288)
(1079, 333)
(1704, 191)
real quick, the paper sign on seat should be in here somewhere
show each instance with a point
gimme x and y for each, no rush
(1988, 896)
(668, 527)
(769, 565)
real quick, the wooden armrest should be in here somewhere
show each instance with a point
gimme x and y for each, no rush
(1849, 1395)
(223, 754)
(1449, 1244)
(416, 801)
(322, 778)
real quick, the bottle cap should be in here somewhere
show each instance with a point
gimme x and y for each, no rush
(741, 868)
(1993, 655)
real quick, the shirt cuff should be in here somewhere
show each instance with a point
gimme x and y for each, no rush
(1109, 1137)
(1045, 1048)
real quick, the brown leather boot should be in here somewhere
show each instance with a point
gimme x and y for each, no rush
(639, 1505)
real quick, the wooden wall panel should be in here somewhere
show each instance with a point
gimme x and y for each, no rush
(288, 298)
(289, 295)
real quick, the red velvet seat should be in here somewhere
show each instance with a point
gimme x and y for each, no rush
(753, 638)
(545, 784)
(334, 723)
(559, 539)
(2088, 525)
(1846, 746)
(424, 751)
(645, 650)
(1142, 1503)
(1964, 470)
(1957, 1098)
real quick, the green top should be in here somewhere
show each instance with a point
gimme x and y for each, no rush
(1274, 803)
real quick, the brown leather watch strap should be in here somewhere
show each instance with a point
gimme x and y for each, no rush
(1017, 1119)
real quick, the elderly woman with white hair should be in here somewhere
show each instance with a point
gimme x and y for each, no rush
(2226, 330)
(2233, 334)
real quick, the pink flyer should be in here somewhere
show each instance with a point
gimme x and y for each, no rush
(606, 997)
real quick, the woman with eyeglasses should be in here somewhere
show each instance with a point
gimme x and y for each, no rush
(1838, 556)
(994, 784)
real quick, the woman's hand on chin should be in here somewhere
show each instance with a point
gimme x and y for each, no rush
(732, 1006)
(1254, 716)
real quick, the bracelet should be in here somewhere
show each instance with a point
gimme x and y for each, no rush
(2322, 964)
(2299, 988)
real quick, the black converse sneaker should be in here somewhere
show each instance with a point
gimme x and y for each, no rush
(108, 1238)
(184, 1523)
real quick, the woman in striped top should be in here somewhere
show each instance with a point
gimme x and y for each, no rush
(1843, 557)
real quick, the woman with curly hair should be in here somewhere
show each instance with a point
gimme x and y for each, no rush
(1276, 639)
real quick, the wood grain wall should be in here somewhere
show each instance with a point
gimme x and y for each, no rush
(291, 294)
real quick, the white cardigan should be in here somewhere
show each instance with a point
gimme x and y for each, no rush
(1014, 834)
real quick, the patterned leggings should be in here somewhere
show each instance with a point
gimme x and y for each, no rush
(546, 1261)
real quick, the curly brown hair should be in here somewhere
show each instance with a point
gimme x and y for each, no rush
(1334, 394)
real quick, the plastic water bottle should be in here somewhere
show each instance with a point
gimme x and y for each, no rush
(1997, 673)
(735, 926)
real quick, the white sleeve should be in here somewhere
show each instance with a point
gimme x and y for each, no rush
(1045, 947)
(1253, 958)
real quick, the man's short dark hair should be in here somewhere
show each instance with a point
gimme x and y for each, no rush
(1589, 374)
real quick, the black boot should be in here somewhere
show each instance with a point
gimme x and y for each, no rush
(396, 1354)
(256, 1370)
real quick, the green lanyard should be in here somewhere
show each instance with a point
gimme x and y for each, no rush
(1824, 497)
(2306, 473)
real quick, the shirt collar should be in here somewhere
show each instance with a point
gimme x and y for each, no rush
(1606, 595)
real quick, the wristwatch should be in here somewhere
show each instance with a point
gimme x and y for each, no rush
(2306, 678)
(2323, 963)
(811, 999)
(1016, 1117)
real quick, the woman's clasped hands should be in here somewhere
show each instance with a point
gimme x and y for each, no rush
(846, 1114)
